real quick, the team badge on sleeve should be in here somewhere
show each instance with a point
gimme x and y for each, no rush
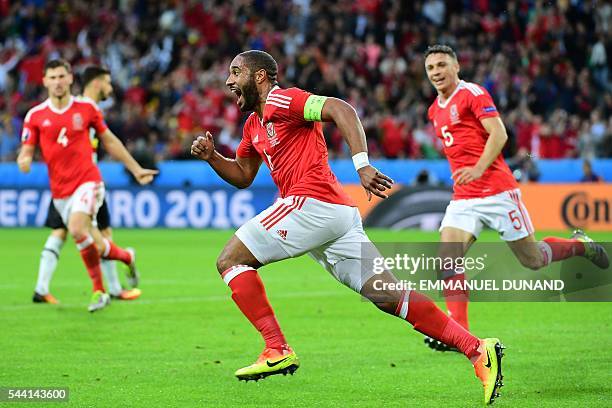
(488, 109)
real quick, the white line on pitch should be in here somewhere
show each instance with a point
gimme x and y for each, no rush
(187, 299)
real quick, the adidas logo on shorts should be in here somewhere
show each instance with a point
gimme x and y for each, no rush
(282, 233)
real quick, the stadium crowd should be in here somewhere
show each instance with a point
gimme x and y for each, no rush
(544, 62)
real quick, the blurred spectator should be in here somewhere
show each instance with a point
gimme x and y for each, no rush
(544, 63)
(524, 167)
(9, 139)
(425, 178)
(587, 173)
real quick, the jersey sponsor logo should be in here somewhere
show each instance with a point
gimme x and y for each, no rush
(488, 109)
(46, 123)
(454, 114)
(25, 134)
(272, 137)
(282, 234)
(77, 121)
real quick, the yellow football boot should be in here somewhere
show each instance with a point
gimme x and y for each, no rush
(270, 362)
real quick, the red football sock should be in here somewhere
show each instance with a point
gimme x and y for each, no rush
(91, 259)
(117, 253)
(428, 319)
(250, 295)
(457, 300)
(563, 248)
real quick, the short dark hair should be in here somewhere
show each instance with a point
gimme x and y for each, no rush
(256, 60)
(56, 63)
(92, 72)
(440, 49)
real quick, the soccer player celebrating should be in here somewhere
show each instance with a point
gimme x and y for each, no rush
(485, 192)
(60, 125)
(314, 215)
(97, 86)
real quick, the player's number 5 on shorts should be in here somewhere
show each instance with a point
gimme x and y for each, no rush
(62, 138)
(448, 137)
(516, 221)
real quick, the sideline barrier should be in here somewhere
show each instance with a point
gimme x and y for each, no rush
(197, 174)
(148, 208)
(550, 206)
(562, 206)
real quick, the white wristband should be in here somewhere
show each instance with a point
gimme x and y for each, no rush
(361, 160)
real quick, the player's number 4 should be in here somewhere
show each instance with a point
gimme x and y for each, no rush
(448, 137)
(62, 138)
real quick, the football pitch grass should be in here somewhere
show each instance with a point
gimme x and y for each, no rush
(180, 343)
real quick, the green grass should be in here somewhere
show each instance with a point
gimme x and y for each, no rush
(181, 342)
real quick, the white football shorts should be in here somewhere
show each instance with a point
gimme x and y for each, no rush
(87, 198)
(503, 212)
(332, 234)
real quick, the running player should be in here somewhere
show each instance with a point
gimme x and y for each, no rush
(60, 125)
(97, 86)
(485, 192)
(314, 215)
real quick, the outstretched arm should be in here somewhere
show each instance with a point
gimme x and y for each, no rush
(495, 143)
(117, 150)
(24, 159)
(346, 119)
(239, 172)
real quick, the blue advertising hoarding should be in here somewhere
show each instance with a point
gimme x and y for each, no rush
(149, 207)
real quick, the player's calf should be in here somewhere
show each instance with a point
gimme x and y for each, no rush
(532, 262)
(91, 259)
(530, 253)
(116, 253)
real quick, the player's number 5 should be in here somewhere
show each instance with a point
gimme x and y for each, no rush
(62, 138)
(448, 137)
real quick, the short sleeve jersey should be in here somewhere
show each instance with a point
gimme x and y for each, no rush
(457, 123)
(292, 147)
(64, 140)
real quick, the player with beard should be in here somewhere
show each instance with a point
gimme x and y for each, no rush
(313, 215)
(97, 87)
(60, 126)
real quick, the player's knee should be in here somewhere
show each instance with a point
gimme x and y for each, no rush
(450, 250)
(224, 262)
(60, 233)
(78, 232)
(532, 262)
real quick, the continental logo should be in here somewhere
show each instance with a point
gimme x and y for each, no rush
(581, 210)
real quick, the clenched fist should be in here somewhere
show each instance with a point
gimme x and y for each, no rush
(203, 147)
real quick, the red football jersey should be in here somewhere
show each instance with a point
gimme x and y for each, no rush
(63, 137)
(293, 148)
(457, 123)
